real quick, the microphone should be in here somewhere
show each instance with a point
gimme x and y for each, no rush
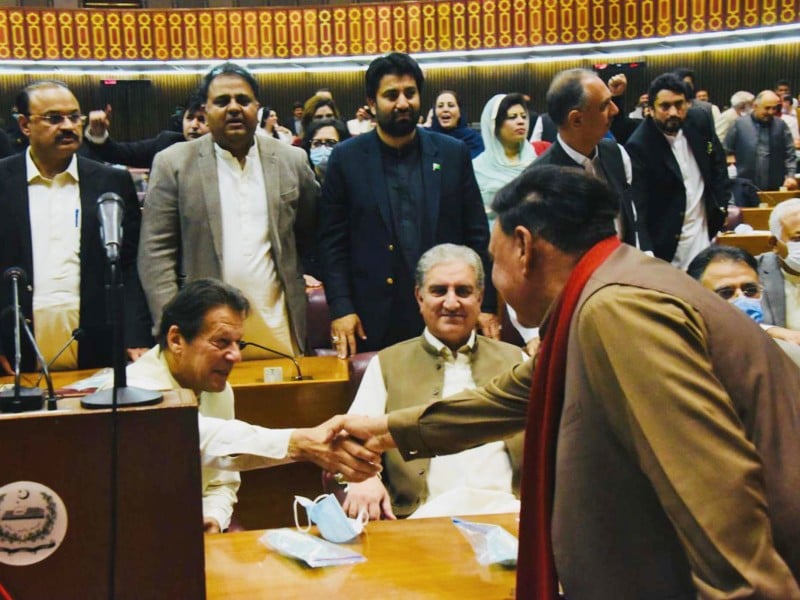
(298, 377)
(51, 395)
(77, 334)
(20, 398)
(110, 209)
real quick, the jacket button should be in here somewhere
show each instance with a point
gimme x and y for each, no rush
(389, 280)
(391, 247)
(422, 472)
(435, 392)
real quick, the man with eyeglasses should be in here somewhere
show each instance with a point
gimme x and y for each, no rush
(233, 206)
(763, 145)
(732, 274)
(50, 229)
(142, 152)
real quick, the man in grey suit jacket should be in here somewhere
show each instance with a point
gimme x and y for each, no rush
(234, 206)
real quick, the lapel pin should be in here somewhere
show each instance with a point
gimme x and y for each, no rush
(437, 167)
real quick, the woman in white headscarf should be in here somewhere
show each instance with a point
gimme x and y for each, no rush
(504, 129)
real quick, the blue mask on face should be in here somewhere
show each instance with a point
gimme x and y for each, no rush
(751, 307)
(319, 156)
(328, 515)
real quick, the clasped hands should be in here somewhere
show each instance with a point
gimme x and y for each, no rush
(348, 445)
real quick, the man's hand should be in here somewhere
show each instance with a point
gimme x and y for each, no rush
(210, 525)
(328, 446)
(371, 495)
(790, 183)
(787, 335)
(135, 354)
(489, 325)
(532, 347)
(618, 84)
(5, 366)
(99, 122)
(373, 431)
(343, 334)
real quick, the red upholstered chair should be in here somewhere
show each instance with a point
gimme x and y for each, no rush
(356, 365)
(318, 323)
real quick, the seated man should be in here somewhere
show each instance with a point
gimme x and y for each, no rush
(779, 271)
(731, 273)
(198, 345)
(447, 358)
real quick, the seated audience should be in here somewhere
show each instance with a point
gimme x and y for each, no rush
(141, 153)
(447, 358)
(50, 228)
(504, 129)
(449, 119)
(198, 346)
(732, 274)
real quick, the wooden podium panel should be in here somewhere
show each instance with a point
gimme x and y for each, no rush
(266, 495)
(159, 534)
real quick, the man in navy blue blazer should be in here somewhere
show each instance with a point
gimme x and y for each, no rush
(388, 196)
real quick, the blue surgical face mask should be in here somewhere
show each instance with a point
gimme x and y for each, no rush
(750, 306)
(319, 156)
(327, 514)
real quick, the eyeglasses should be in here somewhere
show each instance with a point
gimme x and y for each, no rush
(316, 143)
(55, 119)
(751, 290)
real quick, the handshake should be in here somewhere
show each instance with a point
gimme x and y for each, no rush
(349, 445)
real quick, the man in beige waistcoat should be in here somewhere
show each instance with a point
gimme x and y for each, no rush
(447, 358)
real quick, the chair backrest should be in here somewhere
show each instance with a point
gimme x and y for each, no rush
(318, 321)
(356, 365)
(754, 243)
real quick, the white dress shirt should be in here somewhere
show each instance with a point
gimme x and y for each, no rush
(247, 261)
(694, 232)
(486, 467)
(54, 209)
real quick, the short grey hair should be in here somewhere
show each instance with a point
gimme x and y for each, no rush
(567, 93)
(781, 210)
(741, 98)
(446, 253)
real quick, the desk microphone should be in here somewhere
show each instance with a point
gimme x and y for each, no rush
(110, 208)
(298, 377)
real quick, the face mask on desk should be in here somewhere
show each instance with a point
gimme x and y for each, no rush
(328, 515)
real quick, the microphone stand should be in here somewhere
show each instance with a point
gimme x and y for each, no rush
(120, 394)
(51, 395)
(21, 398)
(298, 377)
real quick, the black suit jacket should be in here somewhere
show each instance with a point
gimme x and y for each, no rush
(357, 239)
(657, 179)
(134, 154)
(94, 349)
(614, 173)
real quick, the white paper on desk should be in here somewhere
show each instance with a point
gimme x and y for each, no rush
(94, 381)
(314, 551)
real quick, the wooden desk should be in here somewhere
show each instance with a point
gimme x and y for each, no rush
(409, 560)
(775, 197)
(754, 243)
(757, 218)
(265, 497)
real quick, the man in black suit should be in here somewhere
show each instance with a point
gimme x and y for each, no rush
(50, 229)
(582, 107)
(141, 153)
(388, 196)
(679, 172)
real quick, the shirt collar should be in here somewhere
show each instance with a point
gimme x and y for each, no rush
(35, 174)
(674, 139)
(439, 346)
(579, 158)
(222, 154)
